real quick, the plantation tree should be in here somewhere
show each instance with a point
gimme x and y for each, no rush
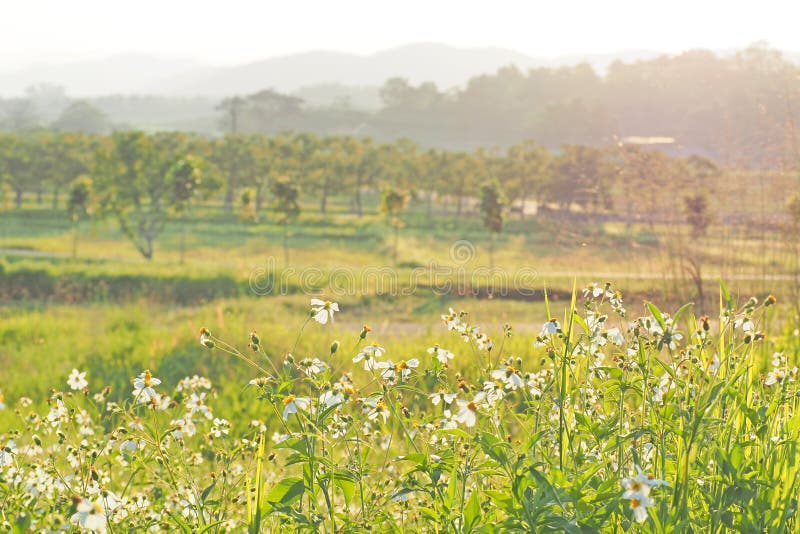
(493, 203)
(233, 157)
(79, 206)
(186, 180)
(16, 155)
(135, 188)
(581, 175)
(525, 169)
(286, 195)
(696, 210)
(393, 204)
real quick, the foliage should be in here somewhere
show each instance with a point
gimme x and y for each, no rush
(657, 423)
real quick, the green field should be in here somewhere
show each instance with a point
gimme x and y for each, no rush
(561, 459)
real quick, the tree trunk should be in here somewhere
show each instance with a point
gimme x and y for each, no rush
(429, 204)
(39, 197)
(18, 199)
(229, 198)
(323, 202)
(359, 209)
(286, 246)
(55, 197)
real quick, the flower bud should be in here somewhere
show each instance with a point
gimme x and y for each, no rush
(334, 347)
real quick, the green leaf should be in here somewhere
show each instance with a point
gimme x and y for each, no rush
(204, 495)
(472, 513)
(287, 491)
(657, 314)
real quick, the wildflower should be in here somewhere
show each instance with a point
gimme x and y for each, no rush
(90, 516)
(441, 396)
(714, 366)
(312, 367)
(205, 338)
(77, 380)
(323, 310)
(7, 453)
(393, 371)
(451, 319)
(277, 437)
(639, 505)
(509, 375)
(484, 342)
(2, 399)
(330, 399)
(550, 327)
(143, 387)
(292, 403)
(364, 331)
(220, 427)
(196, 404)
(369, 354)
(183, 426)
(440, 354)
(468, 410)
(378, 407)
(615, 336)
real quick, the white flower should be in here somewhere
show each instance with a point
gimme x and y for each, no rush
(132, 445)
(143, 387)
(220, 427)
(312, 367)
(615, 336)
(196, 404)
(277, 437)
(90, 516)
(323, 310)
(378, 407)
(292, 403)
(639, 504)
(77, 380)
(468, 410)
(7, 453)
(369, 354)
(58, 413)
(441, 396)
(484, 341)
(509, 375)
(440, 354)
(184, 426)
(393, 371)
(330, 398)
(713, 367)
(550, 327)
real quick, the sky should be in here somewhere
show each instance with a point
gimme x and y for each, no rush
(225, 32)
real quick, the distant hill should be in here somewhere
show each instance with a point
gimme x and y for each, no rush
(447, 66)
(119, 74)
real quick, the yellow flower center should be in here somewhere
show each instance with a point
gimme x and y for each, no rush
(148, 379)
(635, 503)
(97, 508)
(288, 399)
(471, 406)
(636, 486)
(381, 405)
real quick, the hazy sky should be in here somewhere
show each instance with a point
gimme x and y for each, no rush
(233, 31)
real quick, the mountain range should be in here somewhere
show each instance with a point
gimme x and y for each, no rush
(445, 65)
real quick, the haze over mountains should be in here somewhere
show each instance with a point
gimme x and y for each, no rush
(445, 65)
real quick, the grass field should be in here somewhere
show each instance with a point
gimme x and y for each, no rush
(548, 424)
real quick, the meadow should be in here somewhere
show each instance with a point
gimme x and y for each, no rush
(194, 392)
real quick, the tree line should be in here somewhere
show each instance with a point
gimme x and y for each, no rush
(739, 109)
(144, 180)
